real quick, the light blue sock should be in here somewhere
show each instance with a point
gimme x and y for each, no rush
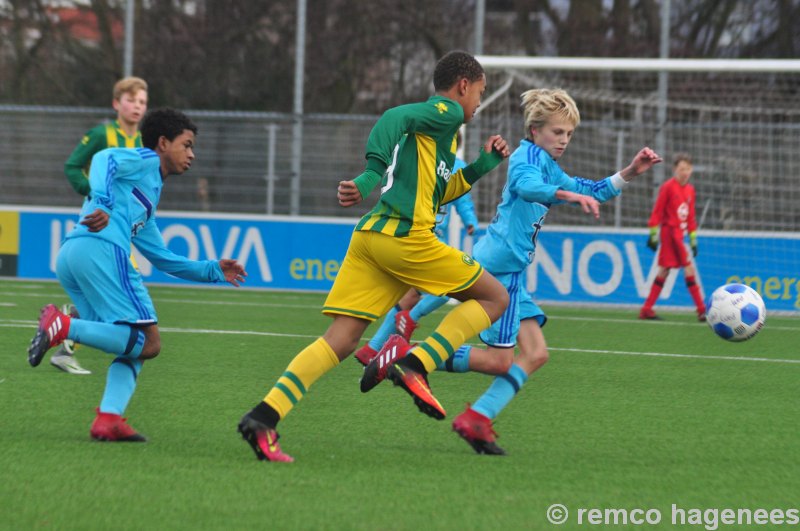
(122, 340)
(458, 362)
(386, 329)
(120, 384)
(500, 393)
(427, 304)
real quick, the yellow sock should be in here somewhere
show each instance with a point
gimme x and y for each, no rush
(305, 369)
(463, 322)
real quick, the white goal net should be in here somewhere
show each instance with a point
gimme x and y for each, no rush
(738, 119)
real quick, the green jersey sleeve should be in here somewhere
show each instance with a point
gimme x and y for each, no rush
(485, 163)
(463, 179)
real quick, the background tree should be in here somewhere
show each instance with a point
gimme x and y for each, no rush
(360, 56)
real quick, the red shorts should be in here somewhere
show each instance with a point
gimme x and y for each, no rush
(672, 252)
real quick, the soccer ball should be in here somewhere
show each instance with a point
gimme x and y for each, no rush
(735, 312)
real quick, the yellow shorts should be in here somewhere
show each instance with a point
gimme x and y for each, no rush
(379, 269)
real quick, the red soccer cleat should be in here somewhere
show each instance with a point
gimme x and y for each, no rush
(477, 430)
(649, 315)
(416, 385)
(404, 324)
(366, 354)
(395, 348)
(111, 427)
(262, 439)
(53, 329)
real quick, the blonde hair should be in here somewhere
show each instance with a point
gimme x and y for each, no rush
(129, 85)
(540, 105)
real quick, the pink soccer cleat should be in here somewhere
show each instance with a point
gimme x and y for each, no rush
(263, 440)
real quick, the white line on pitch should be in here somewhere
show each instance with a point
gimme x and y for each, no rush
(318, 306)
(666, 355)
(563, 349)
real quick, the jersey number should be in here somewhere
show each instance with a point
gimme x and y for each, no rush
(536, 228)
(390, 171)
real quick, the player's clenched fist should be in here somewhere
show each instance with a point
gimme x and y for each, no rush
(347, 193)
(497, 143)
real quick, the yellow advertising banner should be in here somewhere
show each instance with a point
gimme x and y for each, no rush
(9, 232)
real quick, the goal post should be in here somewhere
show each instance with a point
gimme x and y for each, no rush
(500, 62)
(739, 120)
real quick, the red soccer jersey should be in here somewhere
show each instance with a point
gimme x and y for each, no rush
(674, 207)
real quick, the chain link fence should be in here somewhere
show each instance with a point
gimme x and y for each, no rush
(243, 160)
(745, 167)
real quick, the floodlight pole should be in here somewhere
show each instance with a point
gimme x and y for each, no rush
(663, 95)
(128, 54)
(297, 129)
(470, 142)
(480, 10)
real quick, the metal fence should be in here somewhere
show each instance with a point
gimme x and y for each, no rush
(745, 169)
(243, 160)
(741, 128)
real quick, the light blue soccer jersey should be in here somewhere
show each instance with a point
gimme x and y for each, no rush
(126, 183)
(534, 177)
(463, 205)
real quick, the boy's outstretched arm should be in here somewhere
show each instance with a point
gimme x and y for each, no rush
(233, 271)
(643, 161)
(494, 150)
(589, 204)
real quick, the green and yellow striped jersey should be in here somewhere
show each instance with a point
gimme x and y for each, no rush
(415, 146)
(98, 138)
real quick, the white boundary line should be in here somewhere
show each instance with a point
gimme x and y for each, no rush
(31, 324)
(667, 355)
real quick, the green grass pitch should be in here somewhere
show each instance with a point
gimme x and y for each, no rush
(627, 414)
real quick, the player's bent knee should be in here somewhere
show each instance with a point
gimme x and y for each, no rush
(152, 348)
(148, 354)
(542, 357)
(503, 365)
(495, 307)
(539, 357)
(533, 360)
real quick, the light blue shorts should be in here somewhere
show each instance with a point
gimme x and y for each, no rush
(503, 333)
(103, 284)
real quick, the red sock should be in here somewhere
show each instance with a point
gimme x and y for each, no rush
(694, 291)
(655, 291)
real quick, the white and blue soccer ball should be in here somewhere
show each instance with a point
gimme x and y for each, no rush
(735, 312)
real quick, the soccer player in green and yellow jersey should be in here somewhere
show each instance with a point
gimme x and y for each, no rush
(411, 152)
(130, 102)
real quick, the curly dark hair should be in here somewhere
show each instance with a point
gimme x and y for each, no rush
(164, 122)
(453, 66)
